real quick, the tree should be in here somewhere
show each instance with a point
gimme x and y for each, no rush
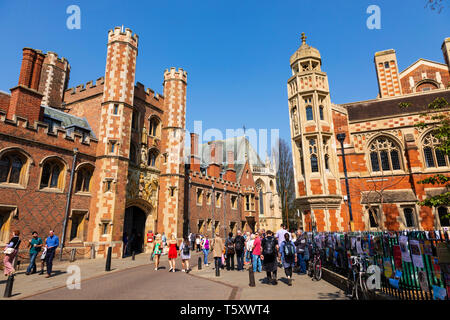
(285, 181)
(440, 123)
(435, 5)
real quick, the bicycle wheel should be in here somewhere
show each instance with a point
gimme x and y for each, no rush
(361, 290)
(310, 269)
(318, 271)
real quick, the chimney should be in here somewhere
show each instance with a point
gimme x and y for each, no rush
(214, 166)
(54, 80)
(231, 172)
(195, 158)
(25, 99)
(387, 73)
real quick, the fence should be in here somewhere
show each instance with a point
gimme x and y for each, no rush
(415, 265)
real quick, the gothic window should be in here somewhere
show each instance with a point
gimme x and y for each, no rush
(52, 174)
(261, 202)
(326, 154)
(84, 176)
(152, 157)
(12, 166)
(409, 217)
(384, 155)
(234, 202)
(199, 196)
(218, 200)
(313, 155)
(433, 156)
(309, 113)
(373, 217)
(154, 126)
(444, 218)
(247, 202)
(321, 113)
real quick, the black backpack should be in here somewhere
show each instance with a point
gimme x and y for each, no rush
(289, 249)
(230, 246)
(186, 249)
(269, 247)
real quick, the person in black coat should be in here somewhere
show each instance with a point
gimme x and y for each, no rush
(239, 246)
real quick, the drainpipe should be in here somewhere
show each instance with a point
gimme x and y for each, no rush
(224, 210)
(213, 234)
(69, 197)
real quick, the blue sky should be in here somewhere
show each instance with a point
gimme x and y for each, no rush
(236, 52)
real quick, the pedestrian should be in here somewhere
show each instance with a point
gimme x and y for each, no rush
(249, 248)
(205, 248)
(269, 257)
(197, 242)
(157, 250)
(172, 252)
(288, 257)
(10, 252)
(239, 246)
(217, 250)
(263, 233)
(44, 253)
(256, 253)
(35, 245)
(164, 240)
(51, 244)
(185, 253)
(280, 234)
(300, 244)
(150, 240)
(192, 240)
(125, 244)
(230, 251)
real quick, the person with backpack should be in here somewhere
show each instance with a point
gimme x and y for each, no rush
(239, 246)
(302, 251)
(185, 253)
(269, 257)
(256, 253)
(229, 252)
(205, 248)
(288, 256)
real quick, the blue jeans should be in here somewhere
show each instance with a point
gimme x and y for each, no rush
(205, 255)
(301, 262)
(32, 265)
(256, 261)
(240, 259)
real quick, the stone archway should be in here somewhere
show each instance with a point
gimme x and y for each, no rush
(139, 218)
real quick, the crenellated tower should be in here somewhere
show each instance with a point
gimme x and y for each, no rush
(313, 142)
(113, 151)
(171, 191)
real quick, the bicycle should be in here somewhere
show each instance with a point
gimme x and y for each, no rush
(315, 266)
(359, 290)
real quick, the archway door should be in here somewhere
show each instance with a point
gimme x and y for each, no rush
(138, 220)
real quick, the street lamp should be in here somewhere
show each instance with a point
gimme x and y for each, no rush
(341, 138)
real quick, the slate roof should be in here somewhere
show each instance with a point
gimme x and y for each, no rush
(68, 120)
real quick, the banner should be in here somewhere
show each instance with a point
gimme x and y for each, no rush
(387, 266)
(416, 253)
(403, 241)
(397, 257)
(423, 280)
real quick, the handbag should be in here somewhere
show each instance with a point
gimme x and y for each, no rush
(43, 254)
(9, 251)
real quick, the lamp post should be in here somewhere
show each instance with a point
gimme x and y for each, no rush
(341, 138)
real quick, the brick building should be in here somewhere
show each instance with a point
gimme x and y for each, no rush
(386, 155)
(108, 155)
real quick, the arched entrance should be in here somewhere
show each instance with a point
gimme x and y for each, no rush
(134, 227)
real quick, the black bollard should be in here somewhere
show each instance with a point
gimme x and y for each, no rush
(251, 277)
(199, 265)
(9, 286)
(72, 254)
(217, 267)
(132, 258)
(108, 260)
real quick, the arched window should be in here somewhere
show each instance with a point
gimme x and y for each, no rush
(52, 174)
(12, 166)
(444, 218)
(309, 113)
(433, 156)
(313, 155)
(384, 155)
(84, 176)
(153, 127)
(321, 113)
(152, 157)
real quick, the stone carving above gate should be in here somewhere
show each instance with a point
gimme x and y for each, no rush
(142, 185)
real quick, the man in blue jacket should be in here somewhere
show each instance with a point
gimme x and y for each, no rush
(52, 243)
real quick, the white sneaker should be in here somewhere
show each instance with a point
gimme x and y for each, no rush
(170, 270)
(156, 269)
(183, 270)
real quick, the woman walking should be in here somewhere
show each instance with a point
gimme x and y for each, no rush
(197, 242)
(157, 250)
(172, 252)
(217, 248)
(185, 253)
(10, 253)
(249, 248)
(288, 256)
(205, 248)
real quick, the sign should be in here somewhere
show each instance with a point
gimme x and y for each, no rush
(416, 253)
(437, 268)
(403, 241)
(423, 280)
(397, 257)
(387, 266)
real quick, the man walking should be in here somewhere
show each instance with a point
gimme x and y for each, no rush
(35, 247)
(239, 246)
(269, 257)
(229, 251)
(52, 243)
(300, 245)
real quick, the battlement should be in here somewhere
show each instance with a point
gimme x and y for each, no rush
(117, 35)
(39, 132)
(142, 92)
(52, 58)
(86, 86)
(173, 74)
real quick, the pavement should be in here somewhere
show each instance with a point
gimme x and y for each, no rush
(137, 280)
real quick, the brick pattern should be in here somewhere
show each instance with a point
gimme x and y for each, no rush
(53, 80)
(389, 79)
(409, 80)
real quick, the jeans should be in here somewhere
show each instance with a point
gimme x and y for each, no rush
(49, 259)
(301, 262)
(240, 260)
(256, 261)
(288, 272)
(205, 255)
(230, 261)
(32, 265)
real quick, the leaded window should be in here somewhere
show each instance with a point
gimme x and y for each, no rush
(433, 156)
(309, 113)
(409, 217)
(384, 155)
(52, 174)
(11, 167)
(313, 155)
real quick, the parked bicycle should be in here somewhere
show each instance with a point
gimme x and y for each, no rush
(315, 266)
(357, 281)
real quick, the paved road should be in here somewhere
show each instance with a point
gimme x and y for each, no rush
(144, 283)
